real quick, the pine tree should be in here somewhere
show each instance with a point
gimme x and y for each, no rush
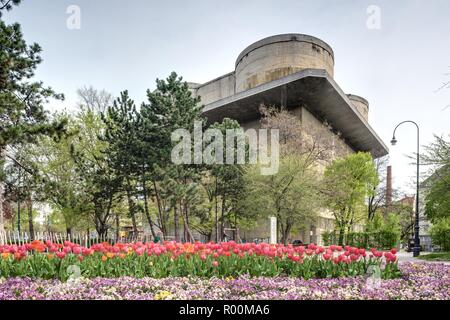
(22, 115)
(121, 134)
(6, 5)
(171, 106)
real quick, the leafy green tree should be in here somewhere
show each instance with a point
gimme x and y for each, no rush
(97, 178)
(437, 185)
(57, 174)
(21, 184)
(440, 233)
(291, 195)
(438, 197)
(347, 183)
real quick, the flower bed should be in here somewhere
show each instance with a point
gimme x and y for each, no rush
(49, 260)
(418, 281)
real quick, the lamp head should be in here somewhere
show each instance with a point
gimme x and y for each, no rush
(393, 141)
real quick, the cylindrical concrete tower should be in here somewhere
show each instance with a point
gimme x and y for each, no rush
(361, 104)
(275, 57)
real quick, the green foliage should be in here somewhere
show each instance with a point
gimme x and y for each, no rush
(437, 185)
(171, 106)
(57, 175)
(225, 183)
(21, 100)
(440, 234)
(97, 178)
(436, 256)
(388, 223)
(6, 5)
(347, 183)
(291, 194)
(438, 196)
(374, 239)
(121, 135)
(193, 264)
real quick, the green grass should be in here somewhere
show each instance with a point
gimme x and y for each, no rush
(437, 256)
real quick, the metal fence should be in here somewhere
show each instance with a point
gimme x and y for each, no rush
(84, 239)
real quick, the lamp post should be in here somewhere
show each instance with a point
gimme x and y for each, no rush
(416, 249)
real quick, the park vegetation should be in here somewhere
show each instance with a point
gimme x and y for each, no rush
(107, 165)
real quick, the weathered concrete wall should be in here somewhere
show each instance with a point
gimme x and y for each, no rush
(361, 104)
(278, 56)
(316, 127)
(216, 89)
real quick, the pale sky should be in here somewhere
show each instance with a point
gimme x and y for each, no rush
(128, 44)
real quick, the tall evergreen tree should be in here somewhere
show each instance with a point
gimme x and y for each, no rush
(22, 114)
(171, 106)
(121, 134)
(227, 181)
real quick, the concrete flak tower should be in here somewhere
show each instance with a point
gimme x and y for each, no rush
(278, 56)
(361, 104)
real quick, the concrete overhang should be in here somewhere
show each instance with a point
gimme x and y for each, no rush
(316, 91)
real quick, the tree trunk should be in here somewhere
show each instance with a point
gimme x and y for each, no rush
(341, 235)
(187, 231)
(222, 220)
(18, 212)
(30, 219)
(147, 213)
(160, 210)
(286, 233)
(117, 226)
(131, 208)
(69, 231)
(216, 215)
(2, 226)
(176, 222)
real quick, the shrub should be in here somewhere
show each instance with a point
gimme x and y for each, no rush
(382, 239)
(440, 234)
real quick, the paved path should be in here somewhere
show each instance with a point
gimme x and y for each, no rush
(408, 257)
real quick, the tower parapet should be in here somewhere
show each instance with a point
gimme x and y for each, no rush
(275, 57)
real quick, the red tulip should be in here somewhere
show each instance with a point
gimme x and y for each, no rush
(60, 255)
(76, 250)
(319, 250)
(327, 256)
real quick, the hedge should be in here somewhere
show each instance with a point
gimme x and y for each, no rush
(380, 239)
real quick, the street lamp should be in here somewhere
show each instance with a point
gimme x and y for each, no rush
(416, 249)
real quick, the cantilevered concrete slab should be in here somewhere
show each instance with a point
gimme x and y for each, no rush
(313, 89)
